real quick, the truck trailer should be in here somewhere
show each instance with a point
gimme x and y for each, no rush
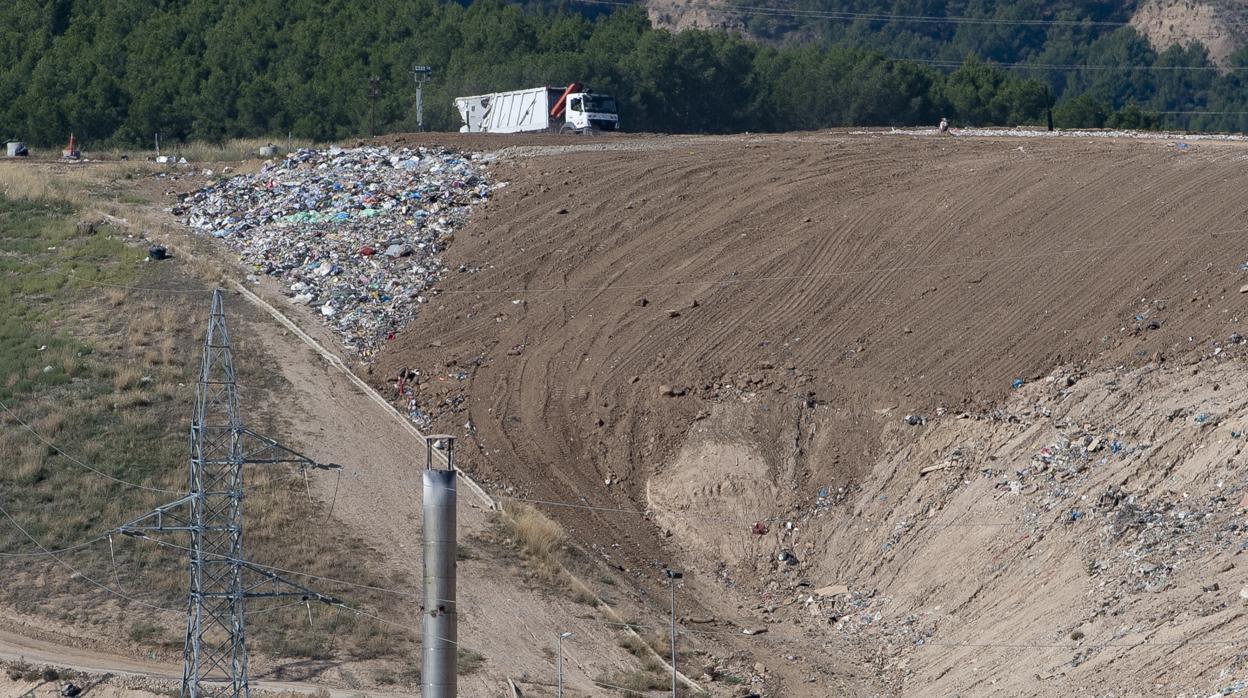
(573, 109)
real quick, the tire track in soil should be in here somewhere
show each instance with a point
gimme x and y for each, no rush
(933, 236)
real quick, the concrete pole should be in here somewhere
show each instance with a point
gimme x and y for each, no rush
(420, 106)
(672, 576)
(562, 637)
(439, 631)
(673, 582)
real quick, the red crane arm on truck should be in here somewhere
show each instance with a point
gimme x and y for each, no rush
(557, 110)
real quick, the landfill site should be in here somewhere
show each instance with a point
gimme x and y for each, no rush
(911, 413)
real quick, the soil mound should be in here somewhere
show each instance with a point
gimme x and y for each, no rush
(727, 331)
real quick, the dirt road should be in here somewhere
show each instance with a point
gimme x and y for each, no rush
(15, 647)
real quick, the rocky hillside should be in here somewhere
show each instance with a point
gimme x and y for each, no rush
(1218, 24)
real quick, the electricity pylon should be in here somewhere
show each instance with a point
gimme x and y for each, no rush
(214, 656)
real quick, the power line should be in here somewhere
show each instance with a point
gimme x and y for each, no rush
(379, 619)
(1073, 644)
(297, 573)
(604, 684)
(78, 546)
(79, 463)
(720, 517)
(105, 284)
(873, 16)
(857, 272)
(633, 626)
(121, 530)
(251, 613)
(950, 19)
(1199, 112)
(72, 569)
(937, 63)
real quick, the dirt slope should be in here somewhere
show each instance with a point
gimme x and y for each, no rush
(1084, 540)
(799, 295)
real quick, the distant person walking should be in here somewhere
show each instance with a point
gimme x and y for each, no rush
(944, 125)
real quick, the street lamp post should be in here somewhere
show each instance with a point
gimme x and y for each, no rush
(421, 74)
(562, 637)
(672, 576)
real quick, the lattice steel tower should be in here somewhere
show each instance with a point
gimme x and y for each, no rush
(216, 637)
(214, 656)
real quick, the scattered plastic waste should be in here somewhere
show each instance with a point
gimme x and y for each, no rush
(357, 232)
(1018, 383)
(1236, 687)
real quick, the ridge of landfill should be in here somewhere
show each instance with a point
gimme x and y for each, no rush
(356, 232)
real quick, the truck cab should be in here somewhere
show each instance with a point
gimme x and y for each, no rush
(588, 112)
(571, 109)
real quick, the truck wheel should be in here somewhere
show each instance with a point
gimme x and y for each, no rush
(567, 128)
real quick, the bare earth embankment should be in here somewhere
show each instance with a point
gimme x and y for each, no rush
(724, 331)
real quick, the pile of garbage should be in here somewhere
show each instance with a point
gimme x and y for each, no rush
(356, 232)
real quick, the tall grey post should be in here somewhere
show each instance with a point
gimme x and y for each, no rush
(562, 636)
(439, 639)
(672, 577)
(422, 74)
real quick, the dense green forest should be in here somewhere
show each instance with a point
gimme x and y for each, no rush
(119, 72)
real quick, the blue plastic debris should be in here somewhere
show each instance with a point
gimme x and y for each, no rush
(1075, 514)
(309, 219)
(1018, 383)
(1202, 417)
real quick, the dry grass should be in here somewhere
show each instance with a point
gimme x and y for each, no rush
(198, 152)
(543, 542)
(535, 533)
(49, 424)
(133, 429)
(237, 149)
(634, 682)
(126, 378)
(143, 327)
(27, 182)
(30, 460)
(81, 185)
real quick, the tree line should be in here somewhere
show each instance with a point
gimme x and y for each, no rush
(120, 72)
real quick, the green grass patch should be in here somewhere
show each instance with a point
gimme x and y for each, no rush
(108, 376)
(47, 263)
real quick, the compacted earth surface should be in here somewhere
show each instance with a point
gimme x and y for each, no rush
(913, 414)
(925, 409)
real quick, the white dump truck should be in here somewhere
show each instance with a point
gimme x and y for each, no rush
(573, 109)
